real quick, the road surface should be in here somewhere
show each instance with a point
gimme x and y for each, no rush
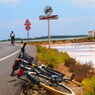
(11, 85)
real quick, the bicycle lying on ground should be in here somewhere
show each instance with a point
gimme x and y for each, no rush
(42, 75)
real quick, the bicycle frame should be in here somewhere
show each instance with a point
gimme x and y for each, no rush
(50, 75)
(31, 70)
(52, 83)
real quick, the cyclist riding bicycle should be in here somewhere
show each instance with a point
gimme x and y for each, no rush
(12, 35)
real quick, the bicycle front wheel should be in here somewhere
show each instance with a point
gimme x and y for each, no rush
(56, 88)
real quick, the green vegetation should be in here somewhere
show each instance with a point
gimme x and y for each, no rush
(52, 37)
(60, 36)
(51, 57)
(89, 85)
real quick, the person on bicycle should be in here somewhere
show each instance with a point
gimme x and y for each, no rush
(12, 35)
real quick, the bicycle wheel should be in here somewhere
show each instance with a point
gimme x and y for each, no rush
(56, 88)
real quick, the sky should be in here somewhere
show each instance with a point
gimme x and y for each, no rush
(75, 17)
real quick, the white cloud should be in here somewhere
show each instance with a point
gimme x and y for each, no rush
(84, 3)
(10, 2)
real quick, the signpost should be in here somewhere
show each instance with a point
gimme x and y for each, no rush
(48, 10)
(27, 27)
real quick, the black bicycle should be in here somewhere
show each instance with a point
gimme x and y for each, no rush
(42, 75)
(47, 78)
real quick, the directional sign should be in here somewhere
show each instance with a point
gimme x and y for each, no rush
(51, 17)
(48, 10)
(27, 28)
(27, 22)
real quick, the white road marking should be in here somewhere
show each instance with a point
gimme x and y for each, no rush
(9, 55)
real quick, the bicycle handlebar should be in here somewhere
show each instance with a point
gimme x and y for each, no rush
(23, 48)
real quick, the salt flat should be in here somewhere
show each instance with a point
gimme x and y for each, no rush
(82, 52)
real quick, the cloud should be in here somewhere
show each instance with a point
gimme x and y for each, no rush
(9, 2)
(83, 3)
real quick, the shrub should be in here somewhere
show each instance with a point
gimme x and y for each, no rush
(71, 64)
(89, 85)
(81, 70)
(51, 57)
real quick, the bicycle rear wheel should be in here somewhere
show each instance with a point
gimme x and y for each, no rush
(56, 88)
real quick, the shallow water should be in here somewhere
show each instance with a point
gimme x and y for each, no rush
(84, 53)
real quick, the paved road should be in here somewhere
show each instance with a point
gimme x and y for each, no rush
(10, 85)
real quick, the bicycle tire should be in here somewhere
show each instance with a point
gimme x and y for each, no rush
(57, 89)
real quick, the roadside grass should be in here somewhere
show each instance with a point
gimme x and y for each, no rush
(51, 57)
(89, 85)
(83, 72)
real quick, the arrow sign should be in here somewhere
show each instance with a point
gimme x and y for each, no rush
(27, 22)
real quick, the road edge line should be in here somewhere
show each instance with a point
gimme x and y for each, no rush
(9, 55)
